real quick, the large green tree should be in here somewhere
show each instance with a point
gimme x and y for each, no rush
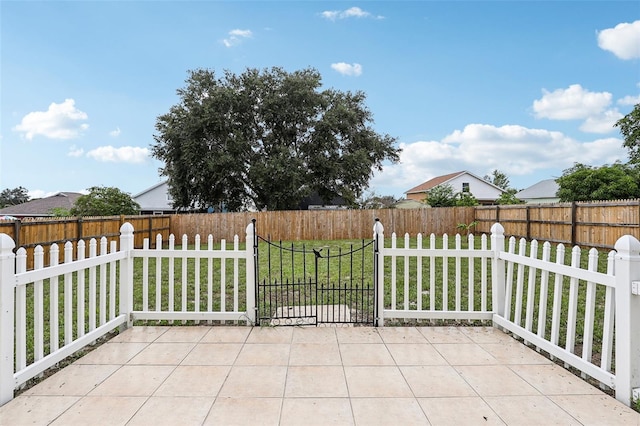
(12, 197)
(609, 182)
(104, 201)
(267, 138)
(630, 128)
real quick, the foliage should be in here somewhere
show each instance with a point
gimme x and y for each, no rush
(465, 199)
(60, 212)
(267, 139)
(104, 201)
(630, 128)
(373, 201)
(441, 196)
(609, 182)
(508, 197)
(466, 227)
(498, 178)
(12, 197)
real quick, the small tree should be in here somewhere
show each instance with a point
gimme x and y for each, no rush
(498, 178)
(373, 201)
(12, 197)
(101, 201)
(508, 197)
(465, 199)
(441, 196)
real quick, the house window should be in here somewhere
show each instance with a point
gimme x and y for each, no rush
(465, 186)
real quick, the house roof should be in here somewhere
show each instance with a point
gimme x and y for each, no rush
(150, 188)
(543, 189)
(438, 180)
(43, 206)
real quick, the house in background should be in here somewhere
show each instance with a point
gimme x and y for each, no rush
(542, 192)
(485, 192)
(155, 200)
(42, 207)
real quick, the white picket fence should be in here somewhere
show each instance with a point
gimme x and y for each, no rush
(91, 296)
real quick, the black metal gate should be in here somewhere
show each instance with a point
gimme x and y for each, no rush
(315, 284)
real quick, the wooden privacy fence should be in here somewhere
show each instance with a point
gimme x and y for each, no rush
(588, 224)
(31, 232)
(298, 225)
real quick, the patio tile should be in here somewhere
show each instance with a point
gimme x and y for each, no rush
(436, 381)
(597, 410)
(314, 335)
(465, 354)
(255, 381)
(529, 411)
(514, 352)
(487, 335)
(194, 380)
(244, 411)
(264, 354)
(316, 381)
(75, 379)
(35, 410)
(552, 379)
(270, 335)
(213, 354)
(456, 411)
(190, 334)
(444, 335)
(113, 353)
(493, 380)
(365, 354)
(358, 335)
(133, 380)
(107, 410)
(140, 334)
(415, 354)
(316, 411)
(384, 382)
(173, 410)
(315, 354)
(163, 354)
(231, 334)
(388, 411)
(401, 335)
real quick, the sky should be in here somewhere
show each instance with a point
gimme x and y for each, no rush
(528, 88)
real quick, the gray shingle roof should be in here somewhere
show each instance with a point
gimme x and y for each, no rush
(42, 206)
(543, 189)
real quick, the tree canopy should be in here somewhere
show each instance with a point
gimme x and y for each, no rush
(12, 197)
(609, 182)
(498, 178)
(104, 201)
(630, 128)
(267, 139)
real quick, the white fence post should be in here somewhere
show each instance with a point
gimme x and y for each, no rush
(250, 275)
(378, 236)
(7, 317)
(497, 270)
(627, 317)
(126, 272)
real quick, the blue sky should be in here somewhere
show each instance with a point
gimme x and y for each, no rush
(528, 88)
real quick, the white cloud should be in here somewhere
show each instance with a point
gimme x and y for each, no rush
(601, 123)
(60, 121)
(348, 69)
(352, 12)
(629, 100)
(573, 103)
(74, 151)
(236, 36)
(125, 154)
(623, 40)
(115, 133)
(480, 148)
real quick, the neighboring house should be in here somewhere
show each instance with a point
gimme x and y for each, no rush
(315, 202)
(42, 207)
(155, 200)
(485, 192)
(540, 193)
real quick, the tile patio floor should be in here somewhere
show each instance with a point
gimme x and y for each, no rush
(314, 376)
